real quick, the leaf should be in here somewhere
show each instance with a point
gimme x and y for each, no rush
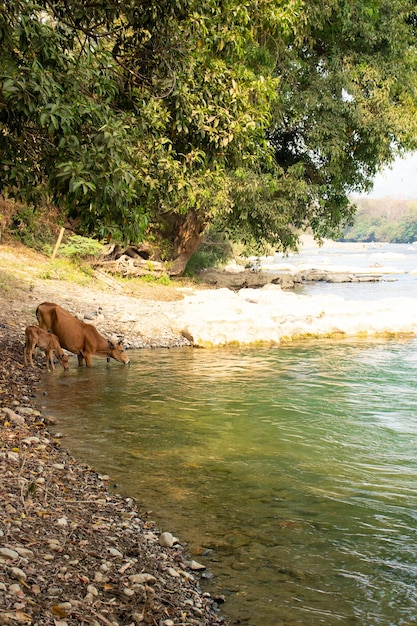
(9, 86)
(58, 611)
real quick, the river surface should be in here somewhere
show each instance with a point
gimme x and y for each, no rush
(395, 263)
(290, 472)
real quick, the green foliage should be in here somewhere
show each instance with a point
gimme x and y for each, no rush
(158, 280)
(214, 251)
(141, 119)
(80, 247)
(35, 227)
(387, 220)
(344, 102)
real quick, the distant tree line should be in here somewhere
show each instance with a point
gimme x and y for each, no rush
(390, 220)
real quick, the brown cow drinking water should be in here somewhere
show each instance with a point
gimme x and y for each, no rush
(48, 342)
(76, 336)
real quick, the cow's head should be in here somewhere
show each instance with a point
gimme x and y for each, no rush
(117, 352)
(63, 359)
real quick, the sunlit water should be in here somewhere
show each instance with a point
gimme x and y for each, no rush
(295, 468)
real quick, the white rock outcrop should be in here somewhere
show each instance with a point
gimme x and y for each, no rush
(220, 317)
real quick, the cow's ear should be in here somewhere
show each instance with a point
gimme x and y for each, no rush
(111, 344)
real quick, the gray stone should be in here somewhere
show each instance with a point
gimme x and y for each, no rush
(142, 578)
(7, 553)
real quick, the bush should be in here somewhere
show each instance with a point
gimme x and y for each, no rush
(214, 250)
(77, 247)
(35, 228)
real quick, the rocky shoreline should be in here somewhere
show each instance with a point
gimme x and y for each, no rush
(72, 552)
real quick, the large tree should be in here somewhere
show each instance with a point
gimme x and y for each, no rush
(346, 105)
(143, 119)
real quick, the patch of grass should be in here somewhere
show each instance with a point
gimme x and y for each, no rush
(4, 282)
(13, 282)
(65, 270)
(158, 280)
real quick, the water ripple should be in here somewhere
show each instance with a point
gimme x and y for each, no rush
(295, 467)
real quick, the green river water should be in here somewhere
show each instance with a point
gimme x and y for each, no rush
(289, 472)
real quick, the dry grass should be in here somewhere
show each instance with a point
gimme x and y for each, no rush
(21, 268)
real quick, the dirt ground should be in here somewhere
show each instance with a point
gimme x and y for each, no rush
(71, 552)
(141, 313)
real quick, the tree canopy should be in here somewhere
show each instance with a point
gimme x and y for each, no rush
(155, 120)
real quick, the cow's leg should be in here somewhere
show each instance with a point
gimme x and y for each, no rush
(80, 357)
(89, 359)
(50, 358)
(29, 348)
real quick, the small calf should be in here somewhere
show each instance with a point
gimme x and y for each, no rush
(48, 342)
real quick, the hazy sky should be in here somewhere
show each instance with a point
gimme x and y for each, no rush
(398, 182)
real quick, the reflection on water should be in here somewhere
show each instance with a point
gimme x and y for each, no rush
(294, 467)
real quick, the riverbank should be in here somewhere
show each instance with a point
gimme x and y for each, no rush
(71, 551)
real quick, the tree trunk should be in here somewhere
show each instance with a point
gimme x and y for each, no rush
(187, 231)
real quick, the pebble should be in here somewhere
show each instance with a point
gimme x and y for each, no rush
(24, 552)
(12, 416)
(195, 566)
(173, 572)
(17, 573)
(16, 590)
(115, 552)
(31, 440)
(129, 592)
(17, 419)
(10, 456)
(167, 540)
(142, 578)
(26, 410)
(6, 553)
(49, 419)
(93, 590)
